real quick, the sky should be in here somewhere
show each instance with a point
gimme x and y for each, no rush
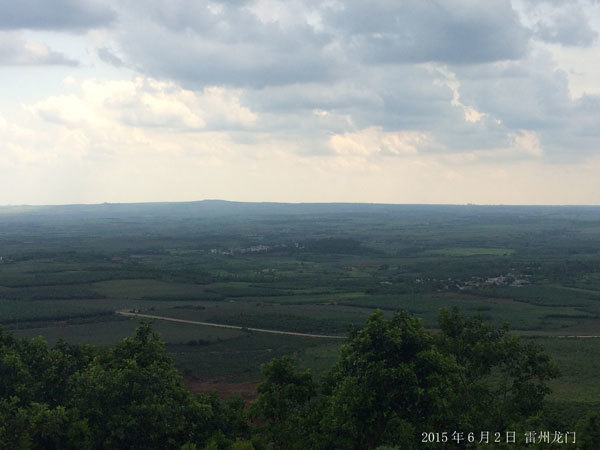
(385, 101)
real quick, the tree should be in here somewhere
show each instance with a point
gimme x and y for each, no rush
(283, 407)
(132, 396)
(502, 380)
(395, 380)
(389, 383)
(127, 396)
(589, 431)
(32, 394)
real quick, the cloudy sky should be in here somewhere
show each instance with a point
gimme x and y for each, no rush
(393, 101)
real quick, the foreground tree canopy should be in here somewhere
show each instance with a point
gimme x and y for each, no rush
(393, 381)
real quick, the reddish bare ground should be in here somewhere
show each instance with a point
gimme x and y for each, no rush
(461, 296)
(247, 390)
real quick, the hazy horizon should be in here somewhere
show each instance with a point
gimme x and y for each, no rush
(295, 203)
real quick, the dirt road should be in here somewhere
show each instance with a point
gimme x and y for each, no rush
(234, 327)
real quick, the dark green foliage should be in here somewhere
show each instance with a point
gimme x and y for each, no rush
(37, 426)
(395, 380)
(62, 292)
(132, 396)
(30, 372)
(502, 380)
(33, 393)
(589, 431)
(335, 245)
(389, 382)
(126, 396)
(284, 404)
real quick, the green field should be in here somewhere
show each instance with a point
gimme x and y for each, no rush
(465, 251)
(65, 271)
(579, 364)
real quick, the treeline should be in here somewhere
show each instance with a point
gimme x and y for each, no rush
(394, 382)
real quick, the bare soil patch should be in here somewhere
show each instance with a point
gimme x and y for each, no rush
(247, 390)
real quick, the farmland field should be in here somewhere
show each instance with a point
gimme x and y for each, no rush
(310, 268)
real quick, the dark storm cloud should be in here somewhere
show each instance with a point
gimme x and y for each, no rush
(54, 14)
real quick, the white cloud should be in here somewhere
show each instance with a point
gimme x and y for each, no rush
(452, 83)
(119, 120)
(147, 103)
(528, 142)
(21, 145)
(523, 145)
(375, 141)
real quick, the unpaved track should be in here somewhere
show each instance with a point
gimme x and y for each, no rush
(234, 327)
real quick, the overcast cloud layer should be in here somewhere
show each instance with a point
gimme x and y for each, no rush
(382, 101)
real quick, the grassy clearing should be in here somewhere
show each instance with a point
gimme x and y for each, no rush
(239, 359)
(319, 358)
(580, 367)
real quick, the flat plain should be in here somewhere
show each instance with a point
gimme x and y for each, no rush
(65, 271)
